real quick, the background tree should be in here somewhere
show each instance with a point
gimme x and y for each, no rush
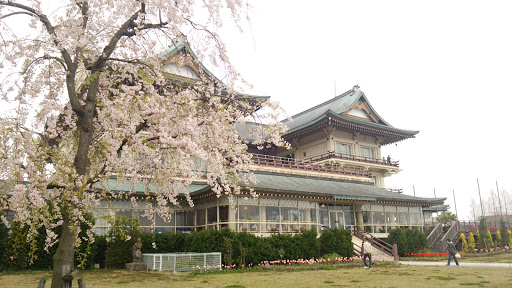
(465, 245)
(472, 245)
(88, 102)
(447, 217)
(488, 239)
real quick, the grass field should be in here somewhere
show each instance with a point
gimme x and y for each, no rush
(495, 257)
(383, 275)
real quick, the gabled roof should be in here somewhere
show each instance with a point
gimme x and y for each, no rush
(180, 46)
(339, 108)
(337, 189)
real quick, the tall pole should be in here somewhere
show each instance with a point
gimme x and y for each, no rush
(454, 201)
(499, 200)
(481, 206)
(414, 190)
(437, 206)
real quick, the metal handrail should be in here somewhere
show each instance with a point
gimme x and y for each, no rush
(450, 234)
(333, 155)
(379, 244)
(290, 163)
(432, 237)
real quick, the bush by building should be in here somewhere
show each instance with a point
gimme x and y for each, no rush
(407, 240)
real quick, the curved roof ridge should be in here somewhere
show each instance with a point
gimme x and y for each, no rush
(322, 104)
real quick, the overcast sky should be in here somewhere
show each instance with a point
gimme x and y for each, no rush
(440, 67)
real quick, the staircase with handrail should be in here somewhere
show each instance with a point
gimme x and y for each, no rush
(385, 249)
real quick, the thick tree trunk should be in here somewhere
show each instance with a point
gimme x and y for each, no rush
(65, 255)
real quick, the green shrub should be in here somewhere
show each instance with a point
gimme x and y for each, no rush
(471, 245)
(336, 241)
(4, 236)
(101, 249)
(407, 240)
(123, 233)
(503, 231)
(399, 237)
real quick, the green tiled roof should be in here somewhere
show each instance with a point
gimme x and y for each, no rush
(113, 185)
(336, 107)
(332, 188)
(437, 208)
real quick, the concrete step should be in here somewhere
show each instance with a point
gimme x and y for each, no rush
(375, 253)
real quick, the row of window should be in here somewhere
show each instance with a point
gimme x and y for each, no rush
(346, 150)
(264, 219)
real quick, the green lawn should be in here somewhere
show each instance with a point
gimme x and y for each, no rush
(494, 257)
(383, 275)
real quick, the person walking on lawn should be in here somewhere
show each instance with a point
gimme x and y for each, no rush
(451, 253)
(367, 253)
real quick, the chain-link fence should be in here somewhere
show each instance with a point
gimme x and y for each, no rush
(183, 262)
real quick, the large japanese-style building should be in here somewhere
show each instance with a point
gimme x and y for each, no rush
(333, 175)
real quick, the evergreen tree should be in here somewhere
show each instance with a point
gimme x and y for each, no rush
(504, 233)
(479, 241)
(488, 240)
(465, 246)
(498, 239)
(471, 241)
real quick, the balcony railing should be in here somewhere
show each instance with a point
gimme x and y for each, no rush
(289, 163)
(332, 155)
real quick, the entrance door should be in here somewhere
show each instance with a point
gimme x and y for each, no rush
(336, 218)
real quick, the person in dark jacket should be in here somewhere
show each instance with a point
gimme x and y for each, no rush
(451, 253)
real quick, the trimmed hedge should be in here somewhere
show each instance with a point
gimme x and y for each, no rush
(407, 240)
(336, 241)
(241, 249)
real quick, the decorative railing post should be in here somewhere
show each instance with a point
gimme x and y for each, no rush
(395, 252)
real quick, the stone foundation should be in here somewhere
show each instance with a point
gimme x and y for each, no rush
(137, 267)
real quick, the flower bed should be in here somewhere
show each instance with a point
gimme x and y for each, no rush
(485, 250)
(428, 254)
(336, 261)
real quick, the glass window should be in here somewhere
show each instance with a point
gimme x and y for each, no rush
(366, 218)
(377, 208)
(249, 213)
(402, 209)
(324, 219)
(367, 153)
(414, 209)
(184, 218)
(272, 213)
(289, 214)
(143, 220)
(391, 218)
(390, 208)
(344, 149)
(224, 213)
(403, 218)
(349, 218)
(415, 219)
(201, 217)
(307, 215)
(378, 217)
(159, 221)
(212, 215)
(124, 212)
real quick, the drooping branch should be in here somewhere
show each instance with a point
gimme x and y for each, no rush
(71, 67)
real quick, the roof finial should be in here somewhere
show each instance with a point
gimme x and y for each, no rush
(356, 87)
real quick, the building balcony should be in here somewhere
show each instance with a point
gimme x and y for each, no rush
(357, 162)
(291, 164)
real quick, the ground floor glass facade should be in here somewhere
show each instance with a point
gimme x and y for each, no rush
(265, 216)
